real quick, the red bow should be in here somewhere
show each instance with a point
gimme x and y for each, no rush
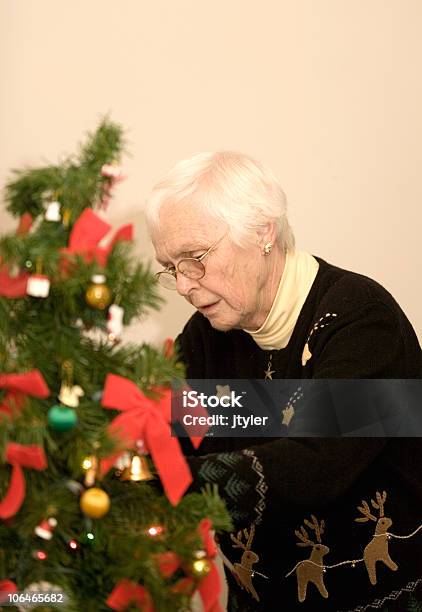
(18, 385)
(148, 420)
(126, 593)
(20, 456)
(87, 232)
(210, 586)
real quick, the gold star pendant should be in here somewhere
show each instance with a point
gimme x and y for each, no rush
(269, 372)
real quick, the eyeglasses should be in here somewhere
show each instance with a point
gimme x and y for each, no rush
(191, 267)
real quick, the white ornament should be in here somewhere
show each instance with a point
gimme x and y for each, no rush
(53, 211)
(111, 170)
(69, 395)
(115, 321)
(123, 461)
(38, 285)
(42, 587)
(74, 486)
(98, 279)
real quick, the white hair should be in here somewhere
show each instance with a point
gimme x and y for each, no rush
(231, 187)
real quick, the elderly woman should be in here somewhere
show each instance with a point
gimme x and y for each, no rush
(267, 310)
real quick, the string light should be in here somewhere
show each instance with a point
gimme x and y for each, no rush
(90, 536)
(73, 544)
(353, 562)
(155, 530)
(40, 555)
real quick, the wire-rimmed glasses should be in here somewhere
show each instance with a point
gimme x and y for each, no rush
(191, 267)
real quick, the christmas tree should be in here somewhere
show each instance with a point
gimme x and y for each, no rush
(93, 514)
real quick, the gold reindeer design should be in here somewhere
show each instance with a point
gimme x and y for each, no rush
(311, 570)
(243, 570)
(377, 549)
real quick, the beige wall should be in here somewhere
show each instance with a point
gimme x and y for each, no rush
(327, 92)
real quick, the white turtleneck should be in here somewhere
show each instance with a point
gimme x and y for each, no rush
(299, 273)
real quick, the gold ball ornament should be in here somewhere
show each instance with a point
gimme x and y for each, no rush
(98, 295)
(201, 567)
(95, 502)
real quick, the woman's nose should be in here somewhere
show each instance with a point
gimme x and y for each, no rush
(185, 284)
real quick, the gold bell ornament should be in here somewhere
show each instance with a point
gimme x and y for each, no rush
(137, 470)
(98, 295)
(90, 466)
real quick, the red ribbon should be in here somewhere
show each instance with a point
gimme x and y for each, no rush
(12, 286)
(15, 286)
(184, 585)
(20, 456)
(18, 385)
(127, 593)
(168, 348)
(196, 432)
(25, 223)
(210, 586)
(148, 420)
(6, 587)
(168, 562)
(87, 232)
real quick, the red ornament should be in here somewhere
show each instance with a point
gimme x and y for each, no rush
(45, 529)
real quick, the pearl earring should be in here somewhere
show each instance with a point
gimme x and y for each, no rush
(267, 248)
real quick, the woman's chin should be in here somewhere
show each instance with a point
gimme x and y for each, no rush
(220, 324)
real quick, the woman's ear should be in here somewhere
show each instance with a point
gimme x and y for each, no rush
(266, 233)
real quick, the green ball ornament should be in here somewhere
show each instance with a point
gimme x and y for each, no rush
(62, 418)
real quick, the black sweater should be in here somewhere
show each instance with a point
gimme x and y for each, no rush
(352, 328)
